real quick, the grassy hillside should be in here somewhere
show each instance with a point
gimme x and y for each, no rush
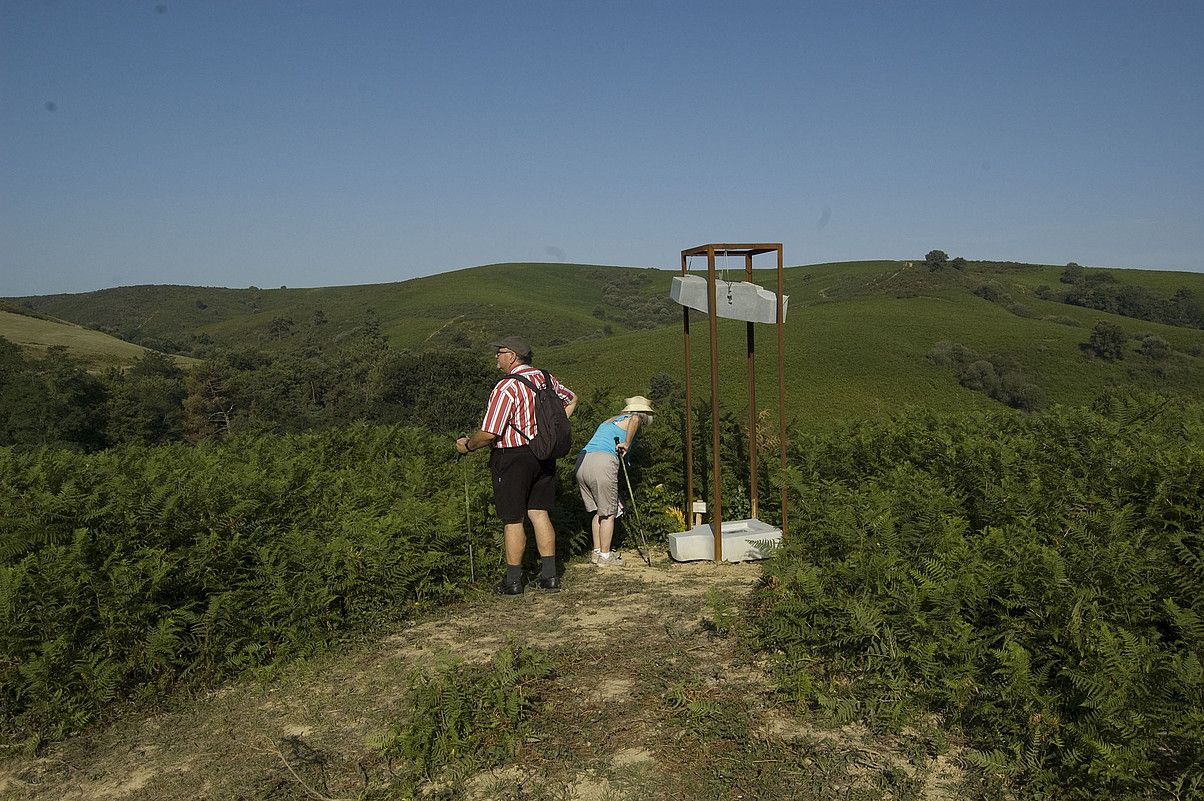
(554, 302)
(857, 336)
(95, 349)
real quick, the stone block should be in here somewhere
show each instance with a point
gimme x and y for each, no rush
(743, 541)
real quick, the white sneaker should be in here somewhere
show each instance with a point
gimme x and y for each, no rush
(612, 558)
(593, 557)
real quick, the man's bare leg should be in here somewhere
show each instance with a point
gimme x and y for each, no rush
(545, 535)
(516, 542)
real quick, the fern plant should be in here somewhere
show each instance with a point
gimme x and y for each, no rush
(1035, 580)
(139, 569)
(464, 718)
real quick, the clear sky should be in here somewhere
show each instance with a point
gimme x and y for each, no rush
(297, 143)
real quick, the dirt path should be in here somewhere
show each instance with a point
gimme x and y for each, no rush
(650, 700)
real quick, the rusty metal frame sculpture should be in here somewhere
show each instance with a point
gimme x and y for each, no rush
(715, 508)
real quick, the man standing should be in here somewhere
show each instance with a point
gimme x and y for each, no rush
(523, 486)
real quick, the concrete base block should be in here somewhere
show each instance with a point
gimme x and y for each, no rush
(743, 541)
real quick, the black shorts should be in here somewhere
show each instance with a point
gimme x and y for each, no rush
(521, 482)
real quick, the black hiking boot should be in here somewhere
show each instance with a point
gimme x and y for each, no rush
(504, 587)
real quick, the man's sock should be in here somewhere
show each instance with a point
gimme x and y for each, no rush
(514, 574)
(547, 566)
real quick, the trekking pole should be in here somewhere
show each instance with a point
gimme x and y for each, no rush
(472, 565)
(646, 552)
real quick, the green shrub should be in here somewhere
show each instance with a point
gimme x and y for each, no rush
(996, 376)
(1107, 341)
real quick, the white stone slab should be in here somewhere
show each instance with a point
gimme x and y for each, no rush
(743, 541)
(737, 300)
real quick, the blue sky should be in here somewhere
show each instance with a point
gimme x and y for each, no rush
(322, 143)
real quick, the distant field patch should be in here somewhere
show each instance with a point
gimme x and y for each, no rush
(95, 349)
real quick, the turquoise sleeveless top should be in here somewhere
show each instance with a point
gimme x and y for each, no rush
(603, 440)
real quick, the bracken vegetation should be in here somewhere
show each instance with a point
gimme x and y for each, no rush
(463, 719)
(1036, 582)
(1032, 582)
(141, 570)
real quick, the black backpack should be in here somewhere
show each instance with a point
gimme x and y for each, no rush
(553, 433)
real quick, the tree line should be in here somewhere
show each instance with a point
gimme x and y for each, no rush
(1099, 290)
(1092, 289)
(53, 400)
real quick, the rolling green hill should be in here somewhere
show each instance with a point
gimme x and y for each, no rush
(555, 302)
(857, 336)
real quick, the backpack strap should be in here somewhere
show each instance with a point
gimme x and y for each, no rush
(531, 386)
(547, 380)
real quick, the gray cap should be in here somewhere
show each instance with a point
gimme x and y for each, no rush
(517, 344)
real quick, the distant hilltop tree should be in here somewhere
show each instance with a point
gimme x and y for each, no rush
(1073, 274)
(936, 259)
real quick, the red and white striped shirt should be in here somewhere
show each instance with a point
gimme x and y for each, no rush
(511, 407)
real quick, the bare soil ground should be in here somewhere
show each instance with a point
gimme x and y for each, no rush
(650, 700)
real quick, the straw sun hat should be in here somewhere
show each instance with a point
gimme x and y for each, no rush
(638, 404)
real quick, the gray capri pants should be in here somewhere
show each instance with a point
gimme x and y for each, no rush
(598, 480)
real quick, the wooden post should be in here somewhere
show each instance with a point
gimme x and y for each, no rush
(688, 508)
(751, 348)
(715, 507)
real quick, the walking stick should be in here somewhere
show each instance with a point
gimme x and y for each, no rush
(645, 552)
(472, 565)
